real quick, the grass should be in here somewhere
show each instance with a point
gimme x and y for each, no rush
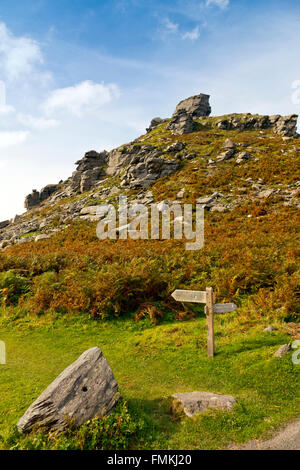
(150, 364)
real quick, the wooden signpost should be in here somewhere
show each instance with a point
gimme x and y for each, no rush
(205, 297)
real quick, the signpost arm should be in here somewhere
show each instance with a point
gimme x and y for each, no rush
(210, 321)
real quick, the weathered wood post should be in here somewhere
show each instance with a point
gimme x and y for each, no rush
(211, 308)
(209, 311)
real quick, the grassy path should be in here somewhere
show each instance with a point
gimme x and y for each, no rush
(153, 362)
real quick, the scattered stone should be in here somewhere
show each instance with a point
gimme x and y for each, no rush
(243, 157)
(196, 402)
(270, 328)
(175, 147)
(41, 237)
(284, 349)
(180, 194)
(87, 388)
(266, 193)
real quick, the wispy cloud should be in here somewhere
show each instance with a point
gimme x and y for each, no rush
(219, 3)
(170, 27)
(12, 138)
(18, 55)
(36, 123)
(80, 99)
(192, 35)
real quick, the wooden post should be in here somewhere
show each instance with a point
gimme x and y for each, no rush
(209, 310)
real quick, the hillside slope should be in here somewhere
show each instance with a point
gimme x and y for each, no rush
(244, 169)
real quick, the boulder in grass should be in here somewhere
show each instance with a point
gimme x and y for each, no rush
(85, 389)
(194, 403)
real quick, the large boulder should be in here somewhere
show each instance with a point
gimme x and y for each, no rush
(87, 388)
(196, 106)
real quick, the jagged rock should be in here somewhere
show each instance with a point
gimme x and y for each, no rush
(181, 123)
(196, 106)
(4, 224)
(15, 219)
(189, 156)
(285, 125)
(90, 169)
(175, 147)
(281, 125)
(243, 157)
(154, 123)
(32, 199)
(228, 145)
(47, 191)
(87, 388)
(140, 166)
(194, 403)
(284, 349)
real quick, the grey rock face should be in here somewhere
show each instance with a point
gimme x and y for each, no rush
(181, 123)
(32, 199)
(90, 170)
(196, 106)
(285, 126)
(176, 147)
(87, 388)
(197, 402)
(47, 191)
(154, 123)
(4, 224)
(140, 166)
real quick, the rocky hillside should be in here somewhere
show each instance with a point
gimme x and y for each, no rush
(221, 162)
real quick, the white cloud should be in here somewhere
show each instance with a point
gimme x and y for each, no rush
(80, 99)
(170, 26)
(5, 109)
(18, 55)
(219, 3)
(39, 123)
(12, 138)
(193, 35)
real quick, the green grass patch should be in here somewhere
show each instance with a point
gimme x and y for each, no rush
(150, 364)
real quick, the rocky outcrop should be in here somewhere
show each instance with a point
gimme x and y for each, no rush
(196, 106)
(154, 123)
(47, 191)
(87, 388)
(139, 166)
(32, 199)
(4, 224)
(285, 126)
(181, 123)
(90, 170)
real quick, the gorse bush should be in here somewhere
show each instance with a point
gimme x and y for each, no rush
(115, 431)
(256, 258)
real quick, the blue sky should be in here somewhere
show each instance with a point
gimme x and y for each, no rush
(78, 75)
